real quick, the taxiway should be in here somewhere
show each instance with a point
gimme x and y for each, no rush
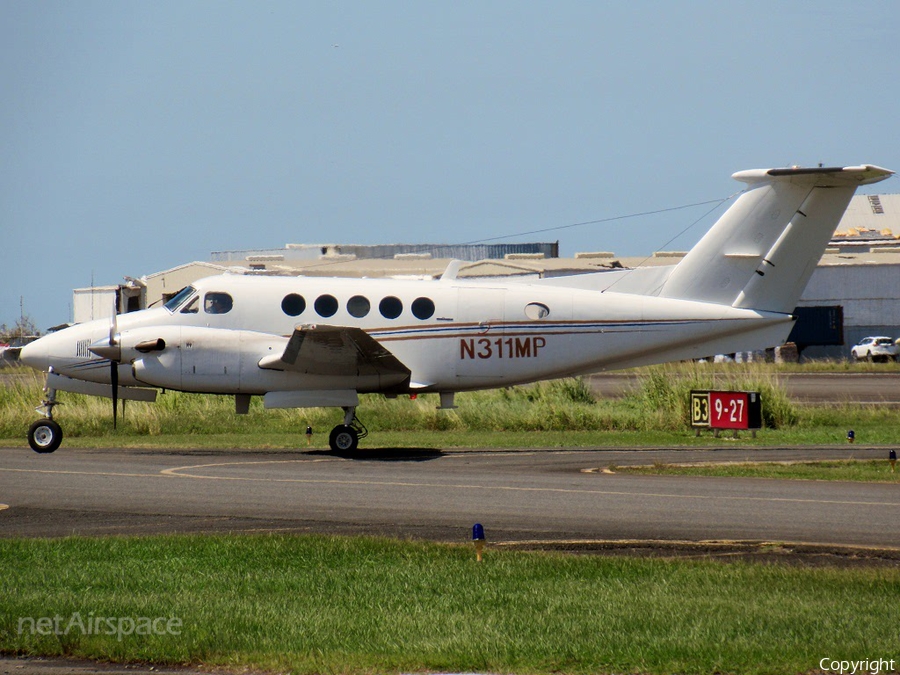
(527, 495)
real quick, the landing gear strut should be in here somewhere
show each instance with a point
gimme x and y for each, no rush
(45, 435)
(345, 437)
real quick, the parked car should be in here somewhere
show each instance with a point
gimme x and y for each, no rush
(878, 348)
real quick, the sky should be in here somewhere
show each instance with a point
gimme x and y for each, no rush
(139, 136)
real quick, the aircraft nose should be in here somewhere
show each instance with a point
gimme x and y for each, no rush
(36, 354)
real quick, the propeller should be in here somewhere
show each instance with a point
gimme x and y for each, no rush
(111, 349)
(114, 377)
(114, 357)
(114, 353)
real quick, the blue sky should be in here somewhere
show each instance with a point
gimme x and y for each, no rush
(137, 136)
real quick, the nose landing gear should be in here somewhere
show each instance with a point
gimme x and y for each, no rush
(45, 435)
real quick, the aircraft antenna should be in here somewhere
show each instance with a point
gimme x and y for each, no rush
(610, 219)
(717, 204)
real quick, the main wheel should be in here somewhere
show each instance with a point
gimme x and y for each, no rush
(343, 439)
(45, 436)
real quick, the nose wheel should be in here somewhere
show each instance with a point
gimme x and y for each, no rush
(45, 435)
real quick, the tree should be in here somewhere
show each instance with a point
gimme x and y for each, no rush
(24, 327)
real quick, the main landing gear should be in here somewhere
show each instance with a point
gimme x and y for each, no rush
(345, 437)
(45, 435)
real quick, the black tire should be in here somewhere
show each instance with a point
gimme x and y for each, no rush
(343, 439)
(44, 436)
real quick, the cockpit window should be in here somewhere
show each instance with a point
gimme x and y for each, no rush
(217, 303)
(176, 300)
(192, 306)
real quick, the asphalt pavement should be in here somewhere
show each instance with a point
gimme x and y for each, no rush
(519, 496)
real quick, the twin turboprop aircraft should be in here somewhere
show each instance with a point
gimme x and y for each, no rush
(308, 342)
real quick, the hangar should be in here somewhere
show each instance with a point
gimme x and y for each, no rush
(853, 292)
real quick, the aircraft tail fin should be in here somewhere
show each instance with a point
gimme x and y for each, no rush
(761, 253)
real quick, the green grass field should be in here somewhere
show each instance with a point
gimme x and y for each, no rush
(338, 605)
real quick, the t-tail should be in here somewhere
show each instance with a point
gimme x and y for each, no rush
(763, 250)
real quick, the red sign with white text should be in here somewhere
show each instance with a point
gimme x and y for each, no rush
(726, 409)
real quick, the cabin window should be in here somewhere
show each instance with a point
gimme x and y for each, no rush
(293, 304)
(390, 307)
(182, 295)
(217, 303)
(537, 310)
(423, 308)
(326, 305)
(358, 306)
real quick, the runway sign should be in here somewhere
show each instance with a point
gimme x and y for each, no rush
(726, 409)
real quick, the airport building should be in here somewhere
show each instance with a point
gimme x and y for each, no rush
(853, 292)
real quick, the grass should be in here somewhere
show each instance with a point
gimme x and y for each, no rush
(547, 414)
(870, 471)
(316, 604)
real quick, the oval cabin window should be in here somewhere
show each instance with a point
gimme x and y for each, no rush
(358, 306)
(423, 308)
(326, 305)
(390, 307)
(293, 304)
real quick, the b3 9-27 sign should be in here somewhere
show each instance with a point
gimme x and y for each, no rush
(726, 409)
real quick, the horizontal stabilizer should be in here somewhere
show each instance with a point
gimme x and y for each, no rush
(847, 176)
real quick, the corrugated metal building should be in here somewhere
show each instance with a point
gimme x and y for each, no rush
(467, 252)
(867, 288)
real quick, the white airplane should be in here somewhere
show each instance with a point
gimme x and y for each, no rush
(309, 342)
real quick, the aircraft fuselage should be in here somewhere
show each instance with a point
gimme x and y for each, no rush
(452, 335)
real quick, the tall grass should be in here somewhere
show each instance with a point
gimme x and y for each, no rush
(658, 405)
(557, 405)
(665, 392)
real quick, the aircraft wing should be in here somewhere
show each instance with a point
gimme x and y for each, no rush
(336, 351)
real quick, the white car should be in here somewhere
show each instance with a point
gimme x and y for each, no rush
(875, 349)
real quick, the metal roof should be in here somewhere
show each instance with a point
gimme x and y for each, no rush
(872, 212)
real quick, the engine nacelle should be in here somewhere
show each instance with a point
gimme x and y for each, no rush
(194, 358)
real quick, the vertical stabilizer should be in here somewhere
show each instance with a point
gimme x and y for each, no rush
(762, 251)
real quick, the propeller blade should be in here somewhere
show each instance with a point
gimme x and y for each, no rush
(114, 380)
(113, 327)
(114, 364)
